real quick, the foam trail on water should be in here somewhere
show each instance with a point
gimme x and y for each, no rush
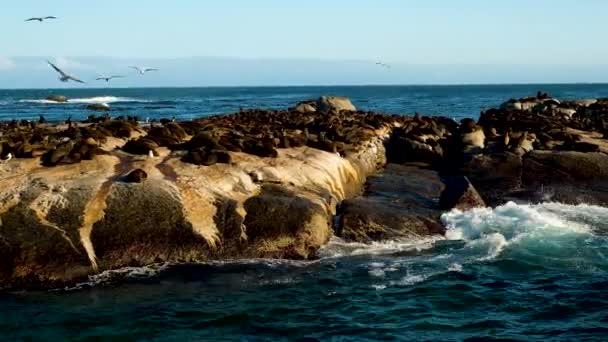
(90, 100)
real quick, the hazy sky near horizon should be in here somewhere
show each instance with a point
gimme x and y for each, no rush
(429, 32)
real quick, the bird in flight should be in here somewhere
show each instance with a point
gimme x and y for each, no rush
(108, 78)
(384, 65)
(142, 70)
(41, 19)
(64, 77)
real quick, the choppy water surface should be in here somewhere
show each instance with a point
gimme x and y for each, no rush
(519, 272)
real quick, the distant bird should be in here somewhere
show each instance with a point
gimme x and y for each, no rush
(150, 154)
(108, 78)
(41, 19)
(384, 65)
(64, 77)
(142, 70)
(8, 157)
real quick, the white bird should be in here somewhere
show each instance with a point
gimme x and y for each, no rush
(142, 70)
(41, 19)
(8, 157)
(64, 76)
(150, 154)
(108, 78)
(384, 65)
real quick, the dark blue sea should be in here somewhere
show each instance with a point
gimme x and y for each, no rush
(525, 272)
(189, 103)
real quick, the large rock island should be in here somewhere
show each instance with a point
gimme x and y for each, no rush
(80, 198)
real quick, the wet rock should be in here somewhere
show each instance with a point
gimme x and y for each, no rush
(567, 176)
(460, 194)
(492, 175)
(399, 203)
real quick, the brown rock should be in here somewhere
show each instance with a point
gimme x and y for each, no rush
(460, 194)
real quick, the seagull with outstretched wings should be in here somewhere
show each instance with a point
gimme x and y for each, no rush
(41, 19)
(108, 78)
(64, 76)
(384, 65)
(142, 70)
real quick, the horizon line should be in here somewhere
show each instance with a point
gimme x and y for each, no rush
(322, 86)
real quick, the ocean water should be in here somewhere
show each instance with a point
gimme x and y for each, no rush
(189, 103)
(536, 272)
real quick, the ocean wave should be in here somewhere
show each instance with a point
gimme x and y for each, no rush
(547, 234)
(89, 100)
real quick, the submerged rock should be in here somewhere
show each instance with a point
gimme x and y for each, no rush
(57, 98)
(99, 107)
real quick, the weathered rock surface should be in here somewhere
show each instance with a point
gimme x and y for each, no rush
(62, 223)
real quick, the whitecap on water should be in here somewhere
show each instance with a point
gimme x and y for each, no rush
(89, 100)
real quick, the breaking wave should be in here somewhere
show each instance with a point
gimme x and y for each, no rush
(548, 236)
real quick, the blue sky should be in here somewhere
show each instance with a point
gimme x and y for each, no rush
(473, 36)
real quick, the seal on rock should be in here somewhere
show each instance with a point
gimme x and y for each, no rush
(136, 176)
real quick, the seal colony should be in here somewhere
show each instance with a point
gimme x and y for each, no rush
(77, 198)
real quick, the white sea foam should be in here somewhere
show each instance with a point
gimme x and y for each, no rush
(455, 267)
(410, 280)
(337, 247)
(376, 273)
(549, 226)
(90, 100)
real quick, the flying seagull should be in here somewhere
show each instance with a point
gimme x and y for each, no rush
(384, 65)
(41, 19)
(108, 78)
(142, 70)
(64, 77)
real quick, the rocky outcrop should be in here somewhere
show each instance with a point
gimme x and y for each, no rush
(80, 198)
(334, 103)
(63, 222)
